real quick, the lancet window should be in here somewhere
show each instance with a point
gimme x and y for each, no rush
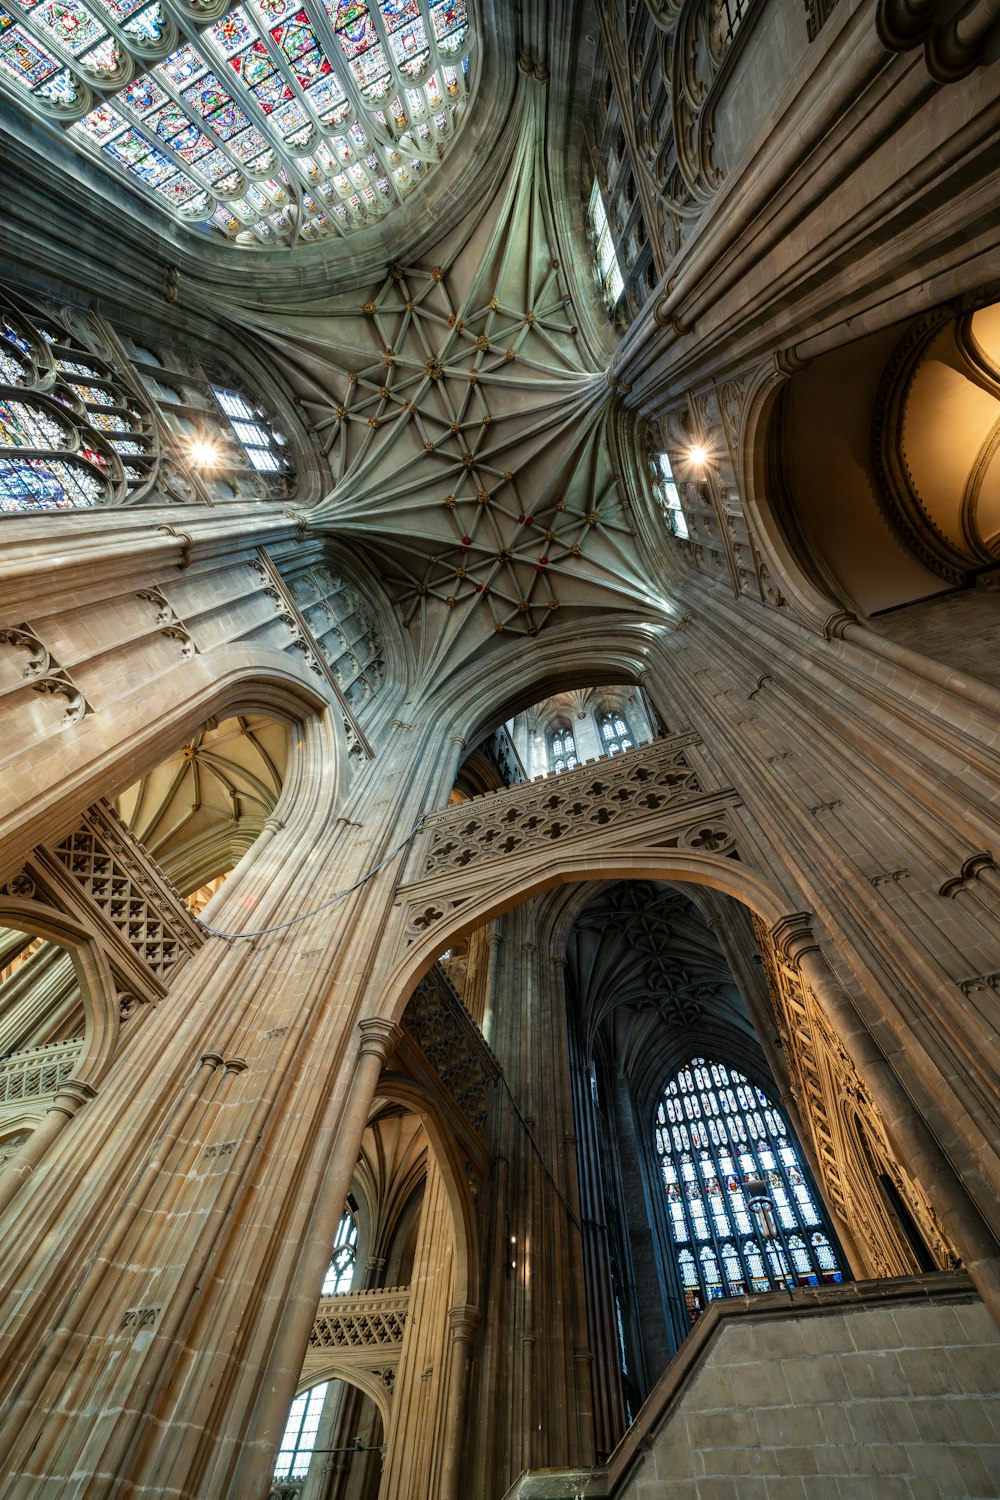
(340, 1272)
(742, 1213)
(562, 750)
(669, 495)
(72, 433)
(616, 734)
(280, 120)
(301, 1432)
(608, 269)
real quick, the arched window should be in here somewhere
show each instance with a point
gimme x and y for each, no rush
(340, 1273)
(670, 496)
(281, 120)
(300, 1433)
(616, 735)
(71, 434)
(742, 1215)
(608, 269)
(562, 750)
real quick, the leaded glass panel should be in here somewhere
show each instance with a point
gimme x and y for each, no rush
(716, 1134)
(562, 751)
(616, 734)
(204, 127)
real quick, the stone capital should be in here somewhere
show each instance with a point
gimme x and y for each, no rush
(793, 936)
(72, 1095)
(463, 1320)
(379, 1037)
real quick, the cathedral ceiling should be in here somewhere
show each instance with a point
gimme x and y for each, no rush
(648, 973)
(469, 427)
(202, 807)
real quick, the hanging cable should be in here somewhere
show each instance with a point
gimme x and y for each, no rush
(304, 916)
(537, 1150)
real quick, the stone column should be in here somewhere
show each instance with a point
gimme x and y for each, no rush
(71, 1097)
(462, 1324)
(911, 1139)
(378, 1038)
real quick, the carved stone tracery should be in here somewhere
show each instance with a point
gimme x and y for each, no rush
(849, 1143)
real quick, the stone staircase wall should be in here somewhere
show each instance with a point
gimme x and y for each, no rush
(886, 1390)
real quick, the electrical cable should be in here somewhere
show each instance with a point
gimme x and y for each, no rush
(304, 916)
(537, 1150)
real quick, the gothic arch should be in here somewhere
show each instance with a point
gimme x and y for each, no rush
(547, 870)
(216, 686)
(97, 986)
(444, 1149)
(365, 1381)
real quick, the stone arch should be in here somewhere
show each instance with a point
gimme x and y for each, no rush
(365, 1381)
(449, 1162)
(796, 576)
(98, 989)
(545, 870)
(221, 684)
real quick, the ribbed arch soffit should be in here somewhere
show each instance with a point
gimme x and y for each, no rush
(467, 424)
(201, 809)
(936, 441)
(646, 971)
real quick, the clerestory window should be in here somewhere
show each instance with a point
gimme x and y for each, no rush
(263, 445)
(562, 751)
(743, 1217)
(608, 269)
(669, 494)
(616, 735)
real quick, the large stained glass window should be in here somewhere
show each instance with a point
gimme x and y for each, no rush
(275, 123)
(743, 1217)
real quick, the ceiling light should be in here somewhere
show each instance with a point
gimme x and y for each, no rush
(698, 455)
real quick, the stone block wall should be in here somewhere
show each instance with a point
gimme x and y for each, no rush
(867, 1392)
(962, 630)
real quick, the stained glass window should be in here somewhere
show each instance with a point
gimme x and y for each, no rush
(71, 434)
(340, 1273)
(562, 750)
(608, 269)
(743, 1217)
(300, 1433)
(669, 495)
(276, 123)
(616, 735)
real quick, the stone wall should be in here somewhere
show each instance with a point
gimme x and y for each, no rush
(873, 1391)
(961, 629)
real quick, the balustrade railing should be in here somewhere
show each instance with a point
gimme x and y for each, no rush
(38, 1071)
(361, 1320)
